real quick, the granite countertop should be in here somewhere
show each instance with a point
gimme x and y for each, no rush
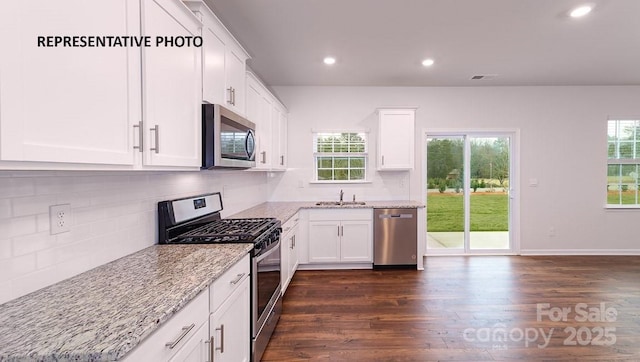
(283, 211)
(102, 314)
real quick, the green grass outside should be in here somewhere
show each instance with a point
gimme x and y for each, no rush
(489, 212)
(628, 198)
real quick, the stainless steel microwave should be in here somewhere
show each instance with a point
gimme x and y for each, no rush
(228, 139)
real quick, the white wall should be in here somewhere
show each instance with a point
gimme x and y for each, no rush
(113, 214)
(562, 144)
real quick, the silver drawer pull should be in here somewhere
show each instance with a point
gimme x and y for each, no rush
(237, 279)
(185, 331)
(221, 348)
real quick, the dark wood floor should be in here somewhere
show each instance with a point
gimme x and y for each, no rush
(465, 309)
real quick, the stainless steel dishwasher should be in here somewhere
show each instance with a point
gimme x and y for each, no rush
(395, 238)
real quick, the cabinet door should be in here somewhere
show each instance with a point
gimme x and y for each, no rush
(324, 241)
(213, 54)
(68, 104)
(396, 139)
(264, 134)
(235, 69)
(357, 241)
(279, 139)
(195, 349)
(230, 327)
(172, 89)
(293, 253)
(286, 244)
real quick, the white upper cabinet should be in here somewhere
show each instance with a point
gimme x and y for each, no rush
(68, 104)
(270, 118)
(223, 62)
(172, 93)
(396, 133)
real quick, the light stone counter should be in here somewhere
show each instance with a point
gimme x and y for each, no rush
(102, 314)
(283, 211)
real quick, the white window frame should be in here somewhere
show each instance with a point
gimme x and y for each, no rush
(364, 155)
(618, 160)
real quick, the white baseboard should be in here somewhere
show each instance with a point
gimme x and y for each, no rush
(533, 252)
(336, 266)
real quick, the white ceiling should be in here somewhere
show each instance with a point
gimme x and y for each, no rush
(382, 42)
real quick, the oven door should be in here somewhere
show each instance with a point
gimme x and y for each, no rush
(266, 285)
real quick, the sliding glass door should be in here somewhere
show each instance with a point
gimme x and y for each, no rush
(469, 203)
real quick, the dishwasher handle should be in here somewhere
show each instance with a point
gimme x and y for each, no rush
(396, 216)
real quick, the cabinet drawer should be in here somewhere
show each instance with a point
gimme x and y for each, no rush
(340, 214)
(222, 287)
(176, 331)
(290, 224)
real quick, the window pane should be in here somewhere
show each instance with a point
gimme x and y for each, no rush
(626, 150)
(357, 174)
(612, 150)
(341, 175)
(341, 162)
(325, 162)
(356, 162)
(324, 175)
(356, 147)
(613, 184)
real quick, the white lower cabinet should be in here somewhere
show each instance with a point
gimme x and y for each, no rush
(215, 326)
(340, 236)
(289, 251)
(229, 327)
(195, 349)
(180, 336)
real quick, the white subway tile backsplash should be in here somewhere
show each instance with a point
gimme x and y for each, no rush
(5, 208)
(113, 214)
(16, 187)
(5, 249)
(32, 205)
(17, 266)
(33, 243)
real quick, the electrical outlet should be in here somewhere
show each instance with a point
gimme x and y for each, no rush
(59, 218)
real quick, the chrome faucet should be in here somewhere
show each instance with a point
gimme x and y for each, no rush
(341, 196)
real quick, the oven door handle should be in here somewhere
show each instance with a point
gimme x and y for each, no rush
(261, 257)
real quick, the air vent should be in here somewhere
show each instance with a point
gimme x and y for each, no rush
(483, 76)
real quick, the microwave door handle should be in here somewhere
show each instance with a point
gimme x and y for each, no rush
(246, 144)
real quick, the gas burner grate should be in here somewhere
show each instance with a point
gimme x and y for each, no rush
(228, 230)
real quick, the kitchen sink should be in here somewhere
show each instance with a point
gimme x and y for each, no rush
(338, 203)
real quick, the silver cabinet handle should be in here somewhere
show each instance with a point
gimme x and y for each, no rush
(341, 230)
(338, 230)
(282, 160)
(264, 156)
(294, 241)
(221, 348)
(291, 243)
(233, 96)
(212, 350)
(230, 100)
(185, 331)
(382, 160)
(156, 130)
(237, 279)
(140, 136)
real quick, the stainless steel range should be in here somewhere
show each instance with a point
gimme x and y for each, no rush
(196, 220)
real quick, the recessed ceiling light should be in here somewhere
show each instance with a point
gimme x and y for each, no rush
(428, 62)
(329, 60)
(580, 11)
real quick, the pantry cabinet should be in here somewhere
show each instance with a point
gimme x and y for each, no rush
(68, 104)
(223, 62)
(396, 134)
(340, 236)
